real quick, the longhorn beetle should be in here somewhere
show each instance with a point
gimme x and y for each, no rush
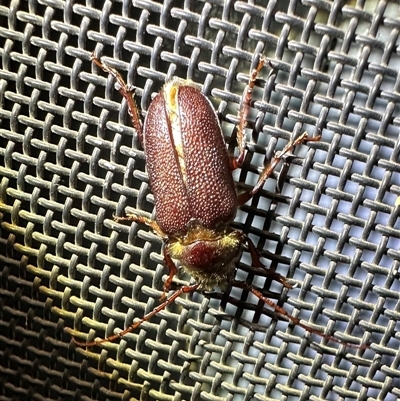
(190, 175)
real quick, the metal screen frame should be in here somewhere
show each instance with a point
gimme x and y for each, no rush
(328, 219)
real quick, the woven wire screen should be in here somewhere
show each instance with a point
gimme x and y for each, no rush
(69, 159)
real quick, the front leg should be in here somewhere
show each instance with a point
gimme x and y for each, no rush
(156, 228)
(255, 261)
(141, 219)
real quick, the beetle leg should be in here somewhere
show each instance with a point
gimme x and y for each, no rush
(243, 113)
(183, 290)
(255, 259)
(126, 92)
(172, 269)
(141, 219)
(269, 169)
(156, 228)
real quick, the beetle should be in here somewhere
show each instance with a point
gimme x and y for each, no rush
(190, 174)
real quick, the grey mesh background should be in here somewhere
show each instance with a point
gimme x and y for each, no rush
(69, 159)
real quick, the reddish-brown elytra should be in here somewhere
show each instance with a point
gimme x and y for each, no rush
(190, 175)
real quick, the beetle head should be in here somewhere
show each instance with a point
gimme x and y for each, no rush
(208, 255)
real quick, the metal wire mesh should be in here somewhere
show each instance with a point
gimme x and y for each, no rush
(70, 159)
